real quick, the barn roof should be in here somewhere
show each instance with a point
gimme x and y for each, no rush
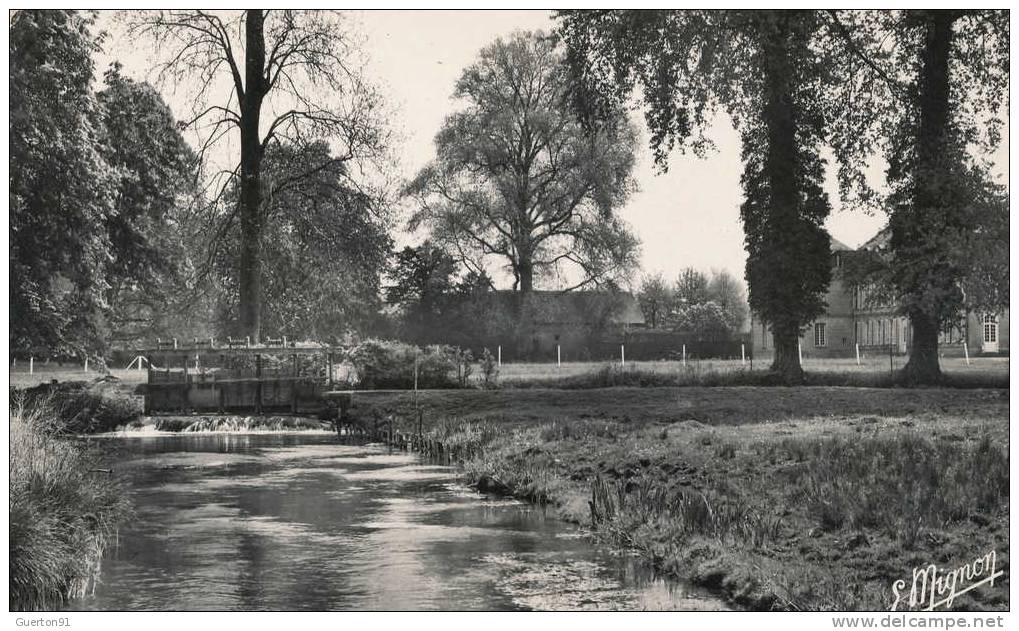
(879, 241)
(838, 246)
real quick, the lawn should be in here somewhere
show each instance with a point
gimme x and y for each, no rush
(518, 372)
(45, 373)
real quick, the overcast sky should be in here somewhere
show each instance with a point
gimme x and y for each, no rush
(688, 217)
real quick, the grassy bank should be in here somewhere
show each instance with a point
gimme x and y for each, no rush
(64, 512)
(784, 498)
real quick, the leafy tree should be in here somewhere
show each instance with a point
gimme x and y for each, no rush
(986, 279)
(726, 291)
(155, 171)
(517, 177)
(61, 188)
(946, 75)
(774, 72)
(656, 300)
(691, 288)
(438, 302)
(323, 255)
(707, 320)
(293, 77)
(424, 280)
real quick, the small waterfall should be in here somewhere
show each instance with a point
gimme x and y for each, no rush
(239, 424)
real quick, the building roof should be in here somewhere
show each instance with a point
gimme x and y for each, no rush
(838, 246)
(879, 241)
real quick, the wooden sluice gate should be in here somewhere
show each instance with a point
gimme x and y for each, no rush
(237, 377)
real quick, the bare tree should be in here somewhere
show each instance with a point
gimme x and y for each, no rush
(285, 75)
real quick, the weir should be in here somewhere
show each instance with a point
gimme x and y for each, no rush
(238, 377)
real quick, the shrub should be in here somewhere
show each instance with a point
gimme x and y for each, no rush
(384, 364)
(464, 366)
(489, 369)
(80, 407)
(64, 511)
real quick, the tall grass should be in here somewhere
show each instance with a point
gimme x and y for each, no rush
(675, 513)
(904, 485)
(64, 511)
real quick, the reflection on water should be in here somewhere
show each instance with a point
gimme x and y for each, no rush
(292, 522)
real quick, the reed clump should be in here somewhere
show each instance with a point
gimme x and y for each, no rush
(64, 511)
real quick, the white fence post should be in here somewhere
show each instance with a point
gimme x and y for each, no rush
(558, 356)
(31, 365)
(86, 364)
(857, 354)
(965, 349)
(799, 349)
(622, 354)
(684, 356)
(499, 352)
(743, 353)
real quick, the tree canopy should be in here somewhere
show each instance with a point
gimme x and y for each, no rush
(948, 80)
(290, 76)
(774, 73)
(519, 178)
(96, 179)
(62, 191)
(323, 251)
(156, 182)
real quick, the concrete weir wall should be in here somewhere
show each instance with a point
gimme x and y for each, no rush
(240, 395)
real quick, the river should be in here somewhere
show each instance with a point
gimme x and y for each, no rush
(300, 522)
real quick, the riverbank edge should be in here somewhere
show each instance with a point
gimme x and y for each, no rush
(703, 564)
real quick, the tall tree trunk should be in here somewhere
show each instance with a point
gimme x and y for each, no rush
(922, 366)
(250, 200)
(525, 269)
(781, 172)
(931, 154)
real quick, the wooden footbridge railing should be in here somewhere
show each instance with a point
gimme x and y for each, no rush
(237, 377)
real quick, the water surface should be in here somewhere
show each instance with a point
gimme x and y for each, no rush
(301, 522)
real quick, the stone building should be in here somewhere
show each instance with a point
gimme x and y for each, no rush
(854, 317)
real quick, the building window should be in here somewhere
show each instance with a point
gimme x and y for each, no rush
(819, 338)
(990, 329)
